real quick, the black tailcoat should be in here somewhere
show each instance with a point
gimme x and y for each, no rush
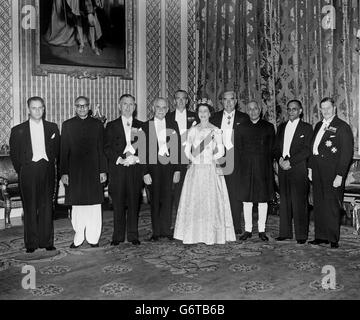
(232, 176)
(82, 158)
(125, 183)
(293, 183)
(192, 119)
(161, 170)
(334, 158)
(37, 182)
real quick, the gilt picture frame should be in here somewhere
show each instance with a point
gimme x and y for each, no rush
(85, 38)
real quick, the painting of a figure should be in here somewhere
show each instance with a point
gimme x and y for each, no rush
(84, 33)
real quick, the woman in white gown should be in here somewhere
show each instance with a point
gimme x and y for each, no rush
(204, 214)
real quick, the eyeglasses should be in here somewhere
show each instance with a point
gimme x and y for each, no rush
(82, 105)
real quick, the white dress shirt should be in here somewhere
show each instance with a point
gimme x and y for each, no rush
(127, 124)
(38, 140)
(181, 119)
(288, 136)
(320, 134)
(160, 128)
(227, 128)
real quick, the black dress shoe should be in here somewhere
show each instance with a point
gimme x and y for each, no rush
(263, 236)
(246, 235)
(334, 245)
(73, 246)
(50, 248)
(154, 238)
(96, 245)
(300, 241)
(115, 243)
(135, 242)
(30, 250)
(170, 238)
(281, 238)
(316, 242)
(238, 232)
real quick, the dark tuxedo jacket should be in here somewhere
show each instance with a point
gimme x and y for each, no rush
(190, 116)
(192, 119)
(21, 147)
(152, 147)
(115, 141)
(335, 148)
(300, 147)
(240, 118)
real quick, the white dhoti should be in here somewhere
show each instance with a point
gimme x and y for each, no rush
(87, 223)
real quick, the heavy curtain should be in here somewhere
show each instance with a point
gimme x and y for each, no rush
(276, 50)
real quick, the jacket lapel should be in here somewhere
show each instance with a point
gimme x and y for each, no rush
(282, 137)
(27, 139)
(296, 135)
(47, 137)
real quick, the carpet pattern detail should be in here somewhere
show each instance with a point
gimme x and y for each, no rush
(316, 285)
(55, 269)
(256, 286)
(250, 269)
(47, 290)
(116, 289)
(185, 288)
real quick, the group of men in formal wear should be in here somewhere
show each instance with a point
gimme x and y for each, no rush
(129, 153)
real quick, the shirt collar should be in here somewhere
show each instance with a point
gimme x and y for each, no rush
(33, 122)
(178, 112)
(231, 114)
(124, 119)
(327, 122)
(295, 122)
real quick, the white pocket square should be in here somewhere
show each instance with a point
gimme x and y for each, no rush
(332, 136)
(53, 136)
(302, 136)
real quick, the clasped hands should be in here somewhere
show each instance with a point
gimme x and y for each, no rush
(65, 178)
(129, 161)
(284, 164)
(148, 180)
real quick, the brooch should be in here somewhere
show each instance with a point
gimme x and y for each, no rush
(328, 143)
(334, 150)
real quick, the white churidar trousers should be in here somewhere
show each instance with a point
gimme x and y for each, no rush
(262, 208)
(87, 223)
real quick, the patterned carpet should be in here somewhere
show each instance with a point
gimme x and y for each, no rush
(170, 270)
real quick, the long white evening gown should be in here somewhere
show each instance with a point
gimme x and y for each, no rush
(204, 213)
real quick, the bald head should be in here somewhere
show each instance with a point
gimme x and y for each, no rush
(253, 110)
(160, 108)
